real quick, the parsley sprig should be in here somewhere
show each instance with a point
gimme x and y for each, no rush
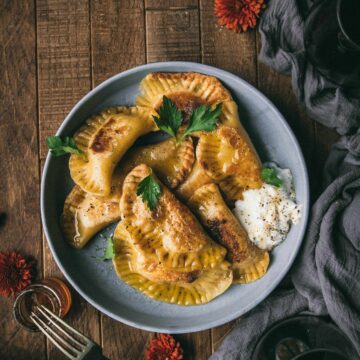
(203, 119)
(149, 190)
(59, 146)
(170, 118)
(270, 177)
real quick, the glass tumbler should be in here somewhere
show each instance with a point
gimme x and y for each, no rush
(332, 40)
(52, 293)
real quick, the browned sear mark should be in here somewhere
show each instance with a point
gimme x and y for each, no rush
(101, 142)
(226, 239)
(192, 276)
(186, 103)
(103, 139)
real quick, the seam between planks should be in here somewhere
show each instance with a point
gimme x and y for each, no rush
(38, 127)
(145, 32)
(91, 48)
(42, 238)
(171, 8)
(200, 32)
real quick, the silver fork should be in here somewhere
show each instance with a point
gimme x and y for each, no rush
(71, 342)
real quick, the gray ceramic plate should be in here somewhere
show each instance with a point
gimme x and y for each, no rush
(96, 281)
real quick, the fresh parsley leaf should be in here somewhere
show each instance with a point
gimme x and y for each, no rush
(108, 250)
(203, 119)
(170, 118)
(270, 177)
(60, 146)
(149, 190)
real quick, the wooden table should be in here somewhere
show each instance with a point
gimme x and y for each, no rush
(52, 53)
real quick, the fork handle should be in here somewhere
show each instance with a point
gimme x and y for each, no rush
(95, 354)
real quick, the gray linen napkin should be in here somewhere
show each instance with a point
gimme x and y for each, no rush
(281, 29)
(326, 276)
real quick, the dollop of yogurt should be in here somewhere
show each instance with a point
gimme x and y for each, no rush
(268, 213)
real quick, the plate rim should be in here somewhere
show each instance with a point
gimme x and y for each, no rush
(201, 68)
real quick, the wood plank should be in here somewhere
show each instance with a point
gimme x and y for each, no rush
(121, 341)
(225, 49)
(118, 32)
(197, 346)
(172, 35)
(118, 37)
(233, 52)
(63, 61)
(63, 38)
(171, 4)
(19, 165)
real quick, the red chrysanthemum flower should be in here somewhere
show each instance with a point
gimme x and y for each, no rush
(16, 273)
(238, 15)
(164, 347)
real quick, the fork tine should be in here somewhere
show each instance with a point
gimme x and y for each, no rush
(42, 327)
(79, 334)
(53, 322)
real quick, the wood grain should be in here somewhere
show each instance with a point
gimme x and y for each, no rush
(226, 49)
(197, 346)
(63, 38)
(19, 164)
(118, 44)
(117, 37)
(171, 4)
(172, 35)
(63, 61)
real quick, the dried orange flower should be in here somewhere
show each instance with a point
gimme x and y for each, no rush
(16, 272)
(238, 15)
(164, 347)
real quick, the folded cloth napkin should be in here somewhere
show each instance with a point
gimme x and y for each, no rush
(281, 29)
(326, 276)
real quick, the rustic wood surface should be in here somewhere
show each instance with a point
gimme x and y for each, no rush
(52, 53)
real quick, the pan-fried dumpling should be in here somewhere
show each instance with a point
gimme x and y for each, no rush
(188, 91)
(85, 214)
(229, 158)
(194, 181)
(150, 267)
(249, 263)
(169, 233)
(104, 140)
(200, 288)
(169, 255)
(171, 162)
